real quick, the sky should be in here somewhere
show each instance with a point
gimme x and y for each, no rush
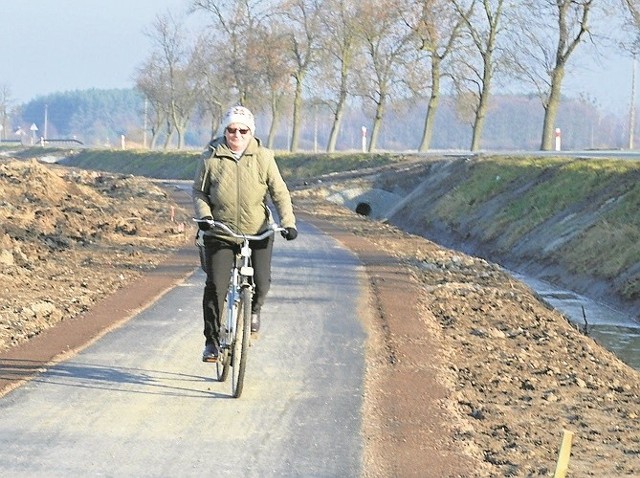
(51, 46)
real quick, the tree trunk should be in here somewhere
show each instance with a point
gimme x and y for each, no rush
(181, 129)
(377, 124)
(155, 132)
(551, 110)
(180, 138)
(478, 123)
(432, 107)
(169, 137)
(275, 118)
(337, 122)
(481, 112)
(297, 111)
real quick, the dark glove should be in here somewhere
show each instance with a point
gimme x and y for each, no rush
(289, 233)
(205, 226)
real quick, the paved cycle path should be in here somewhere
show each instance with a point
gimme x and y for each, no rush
(139, 402)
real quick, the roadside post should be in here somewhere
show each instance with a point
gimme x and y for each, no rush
(364, 139)
(20, 134)
(558, 139)
(562, 466)
(33, 129)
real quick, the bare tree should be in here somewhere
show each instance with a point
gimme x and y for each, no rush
(237, 28)
(151, 81)
(436, 24)
(247, 56)
(631, 44)
(633, 8)
(387, 43)
(214, 90)
(302, 18)
(169, 77)
(482, 19)
(549, 33)
(275, 70)
(264, 53)
(340, 47)
(5, 104)
(184, 99)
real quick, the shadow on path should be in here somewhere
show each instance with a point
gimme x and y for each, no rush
(113, 378)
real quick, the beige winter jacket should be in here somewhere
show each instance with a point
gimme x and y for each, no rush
(234, 191)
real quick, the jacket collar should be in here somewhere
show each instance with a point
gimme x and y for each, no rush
(218, 147)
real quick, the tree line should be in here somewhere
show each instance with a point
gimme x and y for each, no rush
(282, 57)
(105, 118)
(319, 70)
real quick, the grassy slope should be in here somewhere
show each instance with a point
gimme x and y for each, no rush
(606, 192)
(580, 215)
(182, 165)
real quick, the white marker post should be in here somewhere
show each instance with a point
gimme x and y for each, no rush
(364, 139)
(558, 139)
(33, 129)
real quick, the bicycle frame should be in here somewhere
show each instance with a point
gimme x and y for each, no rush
(241, 277)
(233, 338)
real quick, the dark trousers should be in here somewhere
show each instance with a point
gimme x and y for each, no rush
(219, 256)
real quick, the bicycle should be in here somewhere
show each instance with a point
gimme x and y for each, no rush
(235, 331)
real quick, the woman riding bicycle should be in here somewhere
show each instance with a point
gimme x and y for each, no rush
(232, 180)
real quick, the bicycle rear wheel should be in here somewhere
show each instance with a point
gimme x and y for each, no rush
(241, 343)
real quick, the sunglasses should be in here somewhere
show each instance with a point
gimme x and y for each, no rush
(235, 130)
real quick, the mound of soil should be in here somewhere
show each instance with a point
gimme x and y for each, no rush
(69, 237)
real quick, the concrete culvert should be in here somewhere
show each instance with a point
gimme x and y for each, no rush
(363, 208)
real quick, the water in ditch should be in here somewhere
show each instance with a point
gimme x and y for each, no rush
(617, 332)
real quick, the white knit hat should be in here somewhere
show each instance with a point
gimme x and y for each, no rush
(239, 114)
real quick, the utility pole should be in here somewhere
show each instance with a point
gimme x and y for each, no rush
(46, 121)
(632, 108)
(144, 129)
(315, 128)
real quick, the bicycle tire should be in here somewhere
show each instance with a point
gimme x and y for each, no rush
(224, 359)
(222, 365)
(241, 343)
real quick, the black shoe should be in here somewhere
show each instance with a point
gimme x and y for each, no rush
(255, 322)
(210, 352)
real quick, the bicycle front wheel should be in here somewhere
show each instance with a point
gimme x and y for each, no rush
(224, 359)
(241, 343)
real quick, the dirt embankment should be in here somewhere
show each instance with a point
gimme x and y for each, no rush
(69, 238)
(570, 222)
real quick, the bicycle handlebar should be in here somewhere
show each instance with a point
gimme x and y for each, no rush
(272, 229)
